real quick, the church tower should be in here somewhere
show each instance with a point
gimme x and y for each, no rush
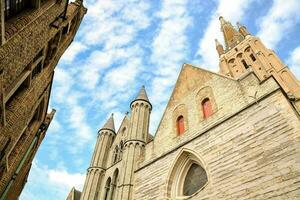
(97, 167)
(244, 52)
(135, 143)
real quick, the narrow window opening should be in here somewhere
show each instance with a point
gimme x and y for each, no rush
(38, 55)
(180, 125)
(37, 69)
(14, 7)
(107, 188)
(252, 57)
(207, 108)
(245, 64)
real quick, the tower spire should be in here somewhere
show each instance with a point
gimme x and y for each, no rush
(231, 36)
(142, 95)
(242, 29)
(109, 125)
(219, 47)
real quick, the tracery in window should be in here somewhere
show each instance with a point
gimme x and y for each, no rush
(194, 180)
(188, 176)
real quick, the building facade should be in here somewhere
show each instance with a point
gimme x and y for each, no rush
(228, 135)
(33, 36)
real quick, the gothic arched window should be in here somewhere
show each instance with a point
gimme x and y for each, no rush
(206, 108)
(188, 176)
(194, 180)
(114, 184)
(121, 150)
(115, 155)
(180, 125)
(107, 188)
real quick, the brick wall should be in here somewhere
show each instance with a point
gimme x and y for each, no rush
(26, 36)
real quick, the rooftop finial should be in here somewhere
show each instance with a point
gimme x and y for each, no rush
(219, 47)
(222, 20)
(217, 42)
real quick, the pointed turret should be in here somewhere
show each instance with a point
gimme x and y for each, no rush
(142, 95)
(98, 164)
(242, 29)
(231, 36)
(219, 47)
(134, 146)
(110, 124)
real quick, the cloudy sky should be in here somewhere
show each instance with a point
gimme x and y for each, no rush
(124, 44)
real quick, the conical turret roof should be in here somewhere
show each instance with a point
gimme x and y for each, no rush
(142, 94)
(110, 124)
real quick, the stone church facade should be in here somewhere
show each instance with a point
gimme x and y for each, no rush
(230, 135)
(33, 36)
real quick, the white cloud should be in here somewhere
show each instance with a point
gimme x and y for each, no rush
(66, 179)
(278, 22)
(48, 184)
(232, 11)
(62, 84)
(77, 120)
(115, 23)
(74, 49)
(169, 49)
(294, 62)
(67, 101)
(170, 45)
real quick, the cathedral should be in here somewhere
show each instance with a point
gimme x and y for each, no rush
(231, 135)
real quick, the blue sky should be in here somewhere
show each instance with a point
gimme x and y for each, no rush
(122, 45)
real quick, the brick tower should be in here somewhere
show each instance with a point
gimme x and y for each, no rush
(33, 37)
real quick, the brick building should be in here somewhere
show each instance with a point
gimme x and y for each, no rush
(33, 36)
(230, 135)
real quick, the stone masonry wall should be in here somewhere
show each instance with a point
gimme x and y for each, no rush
(252, 155)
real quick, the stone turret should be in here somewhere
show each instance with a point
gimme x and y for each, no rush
(97, 167)
(245, 53)
(135, 143)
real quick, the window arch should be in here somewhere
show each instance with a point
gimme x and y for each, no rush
(115, 155)
(121, 150)
(180, 125)
(114, 184)
(188, 176)
(107, 188)
(206, 108)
